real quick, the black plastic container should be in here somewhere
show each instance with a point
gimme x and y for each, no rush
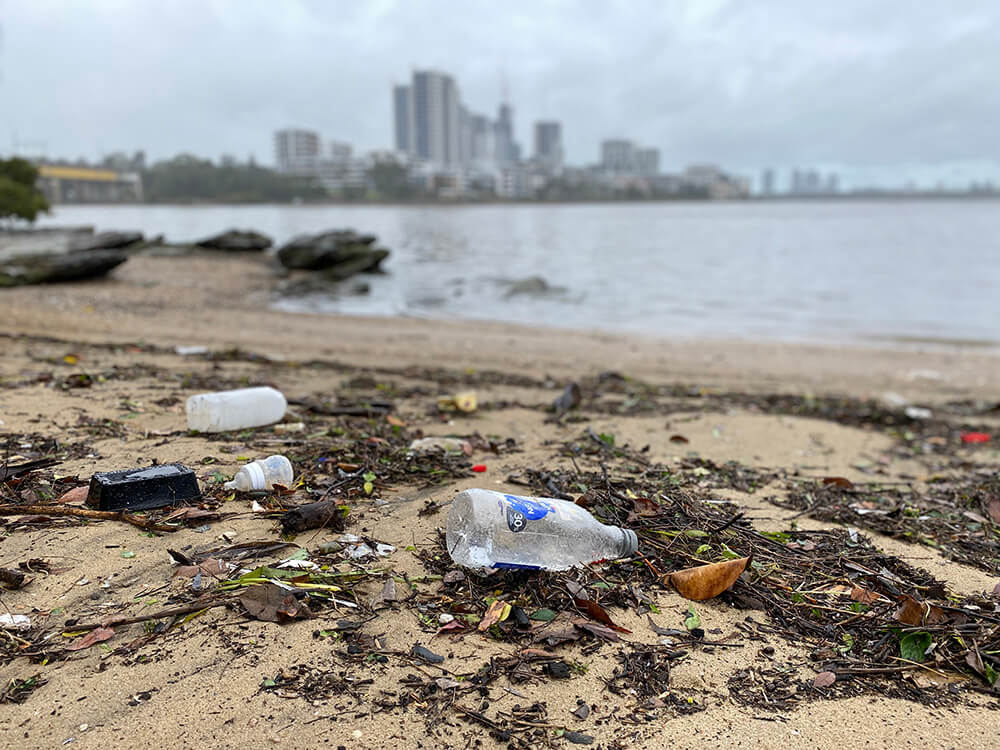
(141, 489)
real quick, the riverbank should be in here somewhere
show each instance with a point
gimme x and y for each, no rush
(91, 373)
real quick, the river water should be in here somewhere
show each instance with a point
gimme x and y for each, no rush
(817, 271)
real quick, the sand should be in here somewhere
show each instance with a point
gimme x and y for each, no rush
(198, 685)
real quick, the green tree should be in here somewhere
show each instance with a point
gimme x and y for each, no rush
(19, 196)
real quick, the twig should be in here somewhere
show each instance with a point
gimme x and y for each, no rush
(70, 510)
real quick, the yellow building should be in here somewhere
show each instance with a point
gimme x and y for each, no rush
(70, 184)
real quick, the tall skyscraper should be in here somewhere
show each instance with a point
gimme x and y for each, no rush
(436, 119)
(508, 151)
(548, 144)
(402, 108)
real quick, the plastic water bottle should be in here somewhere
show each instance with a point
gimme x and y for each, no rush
(235, 410)
(262, 474)
(492, 530)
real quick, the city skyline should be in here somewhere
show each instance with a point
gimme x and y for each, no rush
(880, 94)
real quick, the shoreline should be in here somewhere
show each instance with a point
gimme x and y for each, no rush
(152, 298)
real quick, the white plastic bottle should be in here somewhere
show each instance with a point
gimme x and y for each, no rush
(490, 530)
(235, 410)
(262, 474)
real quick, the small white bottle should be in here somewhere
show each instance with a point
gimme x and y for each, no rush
(235, 410)
(489, 530)
(262, 474)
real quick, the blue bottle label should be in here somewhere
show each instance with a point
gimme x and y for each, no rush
(520, 510)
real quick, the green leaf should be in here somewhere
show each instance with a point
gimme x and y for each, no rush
(729, 554)
(369, 487)
(300, 554)
(703, 549)
(368, 476)
(913, 646)
(268, 683)
(693, 620)
(128, 554)
(991, 674)
(608, 439)
(695, 533)
(544, 615)
(601, 585)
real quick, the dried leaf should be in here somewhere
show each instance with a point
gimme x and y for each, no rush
(272, 603)
(824, 679)
(679, 439)
(446, 683)
(596, 612)
(993, 509)
(645, 507)
(662, 631)
(864, 596)
(211, 567)
(97, 635)
(75, 496)
(453, 576)
(706, 581)
(843, 482)
(394, 421)
(601, 631)
(497, 612)
(914, 612)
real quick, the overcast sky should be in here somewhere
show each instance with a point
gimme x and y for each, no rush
(889, 88)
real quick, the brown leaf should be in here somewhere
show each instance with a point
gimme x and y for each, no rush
(75, 496)
(553, 636)
(596, 612)
(706, 581)
(996, 590)
(453, 576)
(394, 421)
(864, 596)
(993, 509)
(493, 615)
(272, 603)
(645, 507)
(453, 625)
(94, 636)
(601, 631)
(843, 482)
(679, 439)
(824, 679)
(914, 612)
(210, 567)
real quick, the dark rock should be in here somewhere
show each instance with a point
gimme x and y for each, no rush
(46, 269)
(105, 241)
(237, 240)
(366, 261)
(315, 252)
(534, 286)
(426, 654)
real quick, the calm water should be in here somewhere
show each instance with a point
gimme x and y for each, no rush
(816, 271)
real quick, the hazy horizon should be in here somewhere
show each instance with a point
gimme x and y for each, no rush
(881, 94)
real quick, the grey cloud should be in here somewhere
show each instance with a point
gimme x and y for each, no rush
(743, 84)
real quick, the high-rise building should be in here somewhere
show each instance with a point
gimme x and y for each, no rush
(767, 182)
(402, 110)
(548, 145)
(296, 150)
(436, 120)
(618, 156)
(507, 149)
(646, 161)
(480, 138)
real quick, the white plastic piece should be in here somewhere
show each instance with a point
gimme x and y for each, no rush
(490, 530)
(235, 410)
(14, 622)
(263, 474)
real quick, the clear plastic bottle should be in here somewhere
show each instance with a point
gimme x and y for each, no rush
(235, 410)
(490, 530)
(262, 474)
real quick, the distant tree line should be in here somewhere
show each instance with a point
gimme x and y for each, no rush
(187, 178)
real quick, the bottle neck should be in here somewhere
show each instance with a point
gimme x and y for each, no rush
(629, 543)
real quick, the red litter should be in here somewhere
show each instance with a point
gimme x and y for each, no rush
(479, 467)
(975, 437)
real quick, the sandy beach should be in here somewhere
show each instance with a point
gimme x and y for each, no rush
(90, 375)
